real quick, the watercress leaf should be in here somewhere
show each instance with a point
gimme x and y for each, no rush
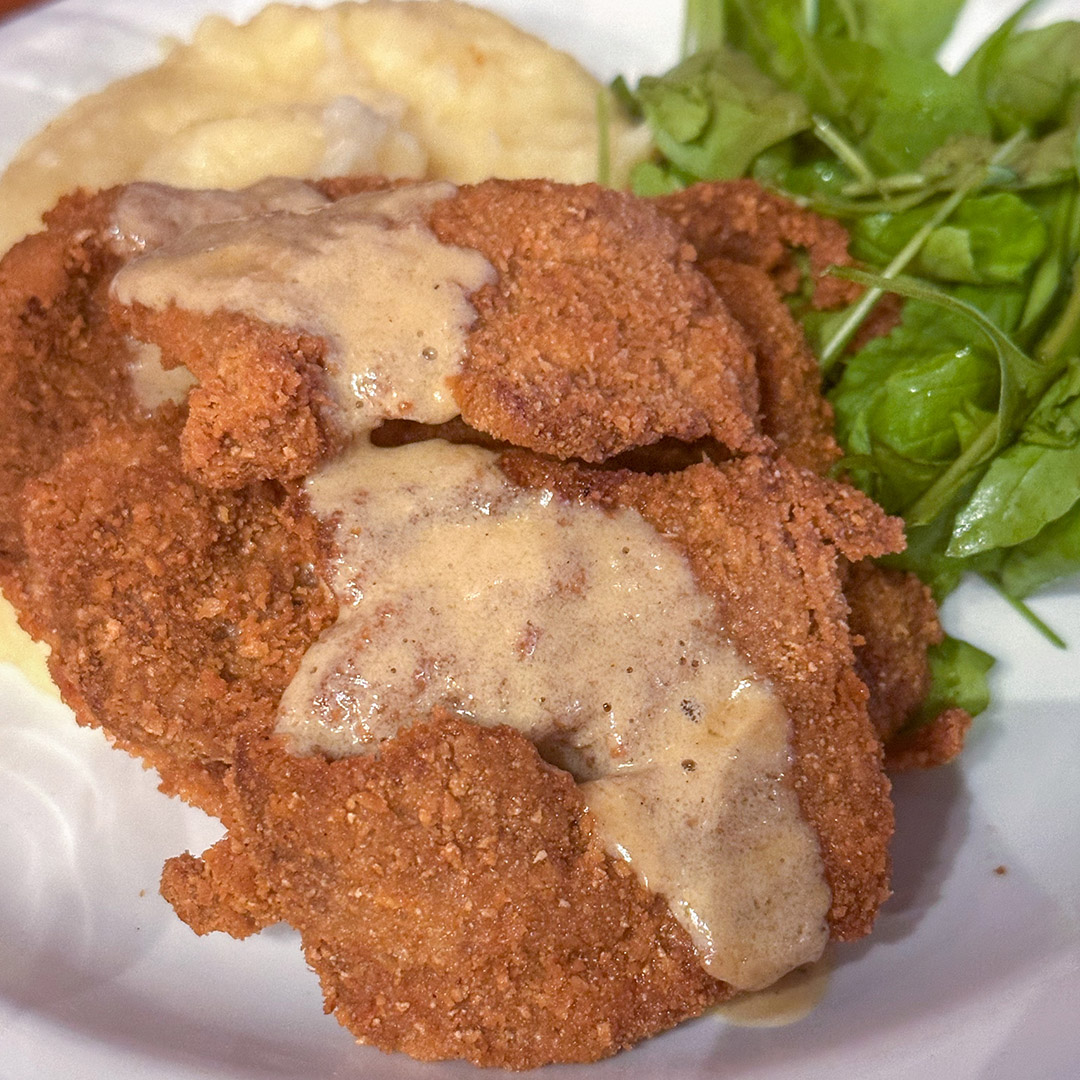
(1052, 554)
(988, 239)
(1035, 81)
(948, 254)
(1025, 487)
(917, 27)
(842, 80)
(768, 32)
(1020, 374)
(650, 179)
(1031, 483)
(982, 65)
(715, 112)
(958, 673)
(624, 97)
(1003, 305)
(914, 107)
(678, 110)
(991, 238)
(913, 412)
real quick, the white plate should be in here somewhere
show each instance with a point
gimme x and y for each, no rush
(970, 975)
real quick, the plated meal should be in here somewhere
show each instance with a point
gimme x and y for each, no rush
(479, 552)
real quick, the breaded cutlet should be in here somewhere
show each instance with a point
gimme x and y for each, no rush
(61, 359)
(747, 241)
(579, 271)
(176, 570)
(742, 222)
(585, 960)
(176, 614)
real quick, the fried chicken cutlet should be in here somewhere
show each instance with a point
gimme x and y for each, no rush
(761, 537)
(182, 603)
(744, 239)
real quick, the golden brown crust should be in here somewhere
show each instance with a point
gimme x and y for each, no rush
(260, 409)
(176, 615)
(929, 745)
(599, 334)
(895, 621)
(179, 591)
(453, 898)
(740, 221)
(61, 365)
(895, 618)
(794, 412)
(762, 537)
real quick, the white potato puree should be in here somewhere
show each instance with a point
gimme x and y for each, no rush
(418, 88)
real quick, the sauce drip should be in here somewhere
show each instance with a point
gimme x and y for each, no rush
(364, 273)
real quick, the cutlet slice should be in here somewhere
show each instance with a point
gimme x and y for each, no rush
(394, 865)
(599, 333)
(895, 620)
(794, 412)
(453, 897)
(590, 333)
(176, 615)
(765, 540)
(746, 239)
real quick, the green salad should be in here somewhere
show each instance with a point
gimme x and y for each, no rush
(961, 192)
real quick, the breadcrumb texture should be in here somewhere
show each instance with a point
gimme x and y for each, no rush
(177, 614)
(451, 892)
(740, 221)
(600, 334)
(463, 903)
(930, 745)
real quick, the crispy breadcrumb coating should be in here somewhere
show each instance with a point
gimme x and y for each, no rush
(452, 895)
(598, 335)
(740, 221)
(763, 539)
(176, 614)
(451, 892)
(60, 367)
(794, 412)
(930, 745)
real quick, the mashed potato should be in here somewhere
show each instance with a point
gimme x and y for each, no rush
(421, 88)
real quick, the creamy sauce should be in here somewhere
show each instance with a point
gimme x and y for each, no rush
(152, 384)
(586, 631)
(148, 216)
(786, 1001)
(364, 273)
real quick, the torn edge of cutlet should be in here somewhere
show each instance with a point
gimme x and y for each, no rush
(743, 222)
